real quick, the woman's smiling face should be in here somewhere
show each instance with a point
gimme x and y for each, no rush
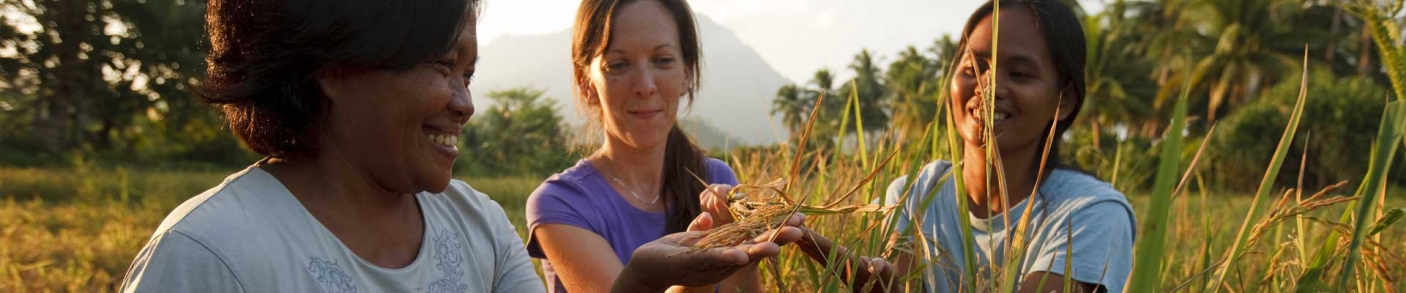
(401, 127)
(1027, 90)
(637, 83)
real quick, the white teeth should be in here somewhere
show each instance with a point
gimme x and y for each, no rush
(1002, 116)
(446, 140)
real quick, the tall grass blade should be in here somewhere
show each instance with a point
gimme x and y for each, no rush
(968, 254)
(859, 124)
(1147, 264)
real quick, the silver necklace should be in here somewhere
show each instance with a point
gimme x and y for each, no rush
(628, 189)
(632, 192)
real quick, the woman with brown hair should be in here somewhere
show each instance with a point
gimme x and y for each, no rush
(634, 61)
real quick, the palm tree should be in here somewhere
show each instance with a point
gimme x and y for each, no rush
(792, 106)
(1118, 88)
(1255, 44)
(912, 81)
(869, 89)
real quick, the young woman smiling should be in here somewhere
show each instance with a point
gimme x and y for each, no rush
(634, 61)
(1075, 219)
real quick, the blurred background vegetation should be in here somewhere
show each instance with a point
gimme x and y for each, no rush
(111, 81)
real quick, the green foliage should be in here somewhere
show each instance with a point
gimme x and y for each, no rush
(520, 135)
(1339, 109)
(95, 70)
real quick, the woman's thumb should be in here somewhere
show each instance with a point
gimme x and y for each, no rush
(703, 222)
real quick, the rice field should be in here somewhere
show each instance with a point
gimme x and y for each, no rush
(76, 230)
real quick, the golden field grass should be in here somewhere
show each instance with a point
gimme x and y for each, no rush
(68, 230)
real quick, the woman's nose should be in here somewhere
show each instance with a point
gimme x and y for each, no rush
(462, 104)
(1001, 88)
(644, 83)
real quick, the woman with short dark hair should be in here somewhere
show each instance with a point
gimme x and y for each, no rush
(358, 105)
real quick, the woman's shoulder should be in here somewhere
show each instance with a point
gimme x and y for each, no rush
(569, 183)
(241, 197)
(1078, 192)
(231, 220)
(1066, 183)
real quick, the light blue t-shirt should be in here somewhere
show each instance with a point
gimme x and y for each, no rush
(250, 234)
(1100, 218)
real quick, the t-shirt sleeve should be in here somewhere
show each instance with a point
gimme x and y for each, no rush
(911, 202)
(1102, 246)
(555, 203)
(173, 262)
(893, 197)
(720, 173)
(514, 268)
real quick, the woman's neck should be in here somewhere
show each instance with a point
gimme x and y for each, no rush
(640, 167)
(381, 226)
(332, 182)
(983, 188)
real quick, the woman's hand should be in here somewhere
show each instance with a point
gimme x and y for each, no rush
(862, 273)
(672, 259)
(714, 202)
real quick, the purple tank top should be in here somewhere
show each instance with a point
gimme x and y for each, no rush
(582, 197)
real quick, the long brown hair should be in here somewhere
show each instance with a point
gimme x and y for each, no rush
(682, 158)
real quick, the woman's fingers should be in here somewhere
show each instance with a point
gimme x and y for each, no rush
(782, 236)
(714, 201)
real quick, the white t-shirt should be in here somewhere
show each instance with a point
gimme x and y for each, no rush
(1100, 220)
(249, 234)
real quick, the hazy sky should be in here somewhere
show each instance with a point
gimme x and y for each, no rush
(797, 37)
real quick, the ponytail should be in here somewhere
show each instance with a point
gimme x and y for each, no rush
(682, 160)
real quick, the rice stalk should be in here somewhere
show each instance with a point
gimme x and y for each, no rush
(1272, 172)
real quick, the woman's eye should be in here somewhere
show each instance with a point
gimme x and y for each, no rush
(616, 67)
(468, 78)
(665, 61)
(445, 66)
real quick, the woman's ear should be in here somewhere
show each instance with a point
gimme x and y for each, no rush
(332, 83)
(588, 91)
(1068, 102)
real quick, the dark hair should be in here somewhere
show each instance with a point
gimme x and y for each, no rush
(265, 56)
(682, 158)
(1064, 38)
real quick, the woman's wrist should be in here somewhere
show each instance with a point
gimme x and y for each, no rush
(631, 281)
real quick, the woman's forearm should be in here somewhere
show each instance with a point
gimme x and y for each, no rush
(744, 280)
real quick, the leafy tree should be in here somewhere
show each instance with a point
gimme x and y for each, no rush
(913, 82)
(1337, 110)
(521, 135)
(94, 70)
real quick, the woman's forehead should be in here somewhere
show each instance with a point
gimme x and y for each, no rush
(1019, 32)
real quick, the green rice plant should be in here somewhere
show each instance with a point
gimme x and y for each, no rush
(1149, 251)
